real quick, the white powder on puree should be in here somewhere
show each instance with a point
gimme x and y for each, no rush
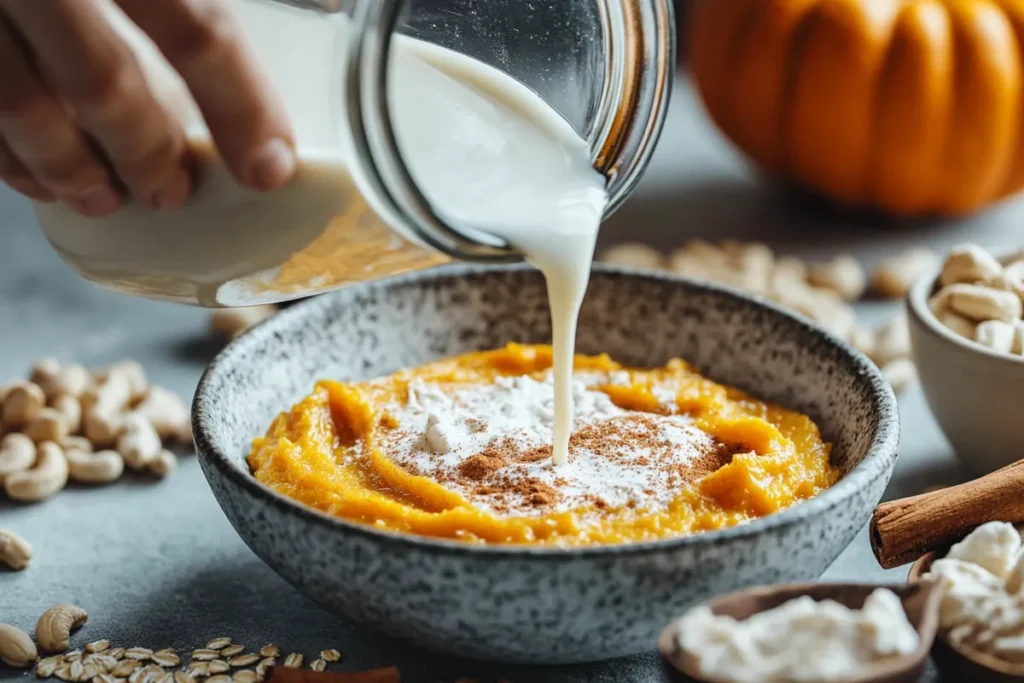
(618, 458)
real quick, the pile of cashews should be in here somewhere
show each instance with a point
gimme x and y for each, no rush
(65, 422)
(823, 292)
(982, 299)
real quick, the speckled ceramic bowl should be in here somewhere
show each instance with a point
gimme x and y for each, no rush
(539, 605)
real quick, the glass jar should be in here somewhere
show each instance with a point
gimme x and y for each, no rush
(353, 211)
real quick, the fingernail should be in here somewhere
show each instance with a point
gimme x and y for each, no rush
(272, 166)
(99, 201)
(173, 195)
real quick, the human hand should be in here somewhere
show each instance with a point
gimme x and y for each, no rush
(79, 123)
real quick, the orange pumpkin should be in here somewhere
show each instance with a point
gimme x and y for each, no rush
(910, 106)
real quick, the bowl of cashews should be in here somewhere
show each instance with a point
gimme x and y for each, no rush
(967, 334)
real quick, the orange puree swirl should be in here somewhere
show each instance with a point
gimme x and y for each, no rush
(329, 452)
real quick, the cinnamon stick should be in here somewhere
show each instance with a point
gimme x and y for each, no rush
(905, 529)
(282, 674)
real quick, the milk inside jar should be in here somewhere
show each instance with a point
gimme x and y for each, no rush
(483, 148)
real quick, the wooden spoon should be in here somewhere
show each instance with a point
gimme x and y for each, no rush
(963, 662)
(920, 601)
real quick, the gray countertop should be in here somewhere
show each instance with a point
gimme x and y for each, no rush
(157, 564)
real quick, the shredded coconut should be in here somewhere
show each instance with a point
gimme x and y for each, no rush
(491, 443)
(984, 602)
(800, 640)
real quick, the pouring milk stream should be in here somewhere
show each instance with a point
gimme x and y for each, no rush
(481, 146)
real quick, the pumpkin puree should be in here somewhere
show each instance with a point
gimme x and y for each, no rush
(322, 453)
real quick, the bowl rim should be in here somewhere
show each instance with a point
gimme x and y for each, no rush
(917, 304)
(877, 463)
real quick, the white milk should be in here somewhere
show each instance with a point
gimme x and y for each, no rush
(487, 151)
(497, 158)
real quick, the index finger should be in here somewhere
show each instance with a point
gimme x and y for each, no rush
(204, 42)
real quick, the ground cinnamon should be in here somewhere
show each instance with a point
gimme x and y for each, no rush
(282, 674)
(905, 529)
(619, 438)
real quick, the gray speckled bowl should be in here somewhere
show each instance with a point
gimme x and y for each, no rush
(539, 605)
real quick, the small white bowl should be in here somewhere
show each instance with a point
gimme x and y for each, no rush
(974, 392)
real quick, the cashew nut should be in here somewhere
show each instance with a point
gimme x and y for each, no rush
(139, 444)
(996, 335)
(958, 323)
(132, 372)
(893, 278)
(863, 339)
(755, 260)
(979, 303)
(102, 425)
(232, 322)
(843, 275)
(683, 263)
(77, 442)
(1011, 279)
(43, 371)
(744, 265)
(750, 255)
(969, 263)
(1018, 338)
(634, 255)
(102, 467)
(22, 403)
(900, 373)
(48, 425)
(71, 379)
(821, 305)
(184, 434)
(892, 342)
(702, 250)
(70, 409)
(787, 282)
(16, 648)
(48, 476)
(55, 626)
(164, 464)
(15, 551)
(110, 395)
(750, 279)
(164, 410)
(790, 267)
(939, 304)
(723, 274)
(825, 307)
(17, 453)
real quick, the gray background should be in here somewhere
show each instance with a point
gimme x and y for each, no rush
(156, 564)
